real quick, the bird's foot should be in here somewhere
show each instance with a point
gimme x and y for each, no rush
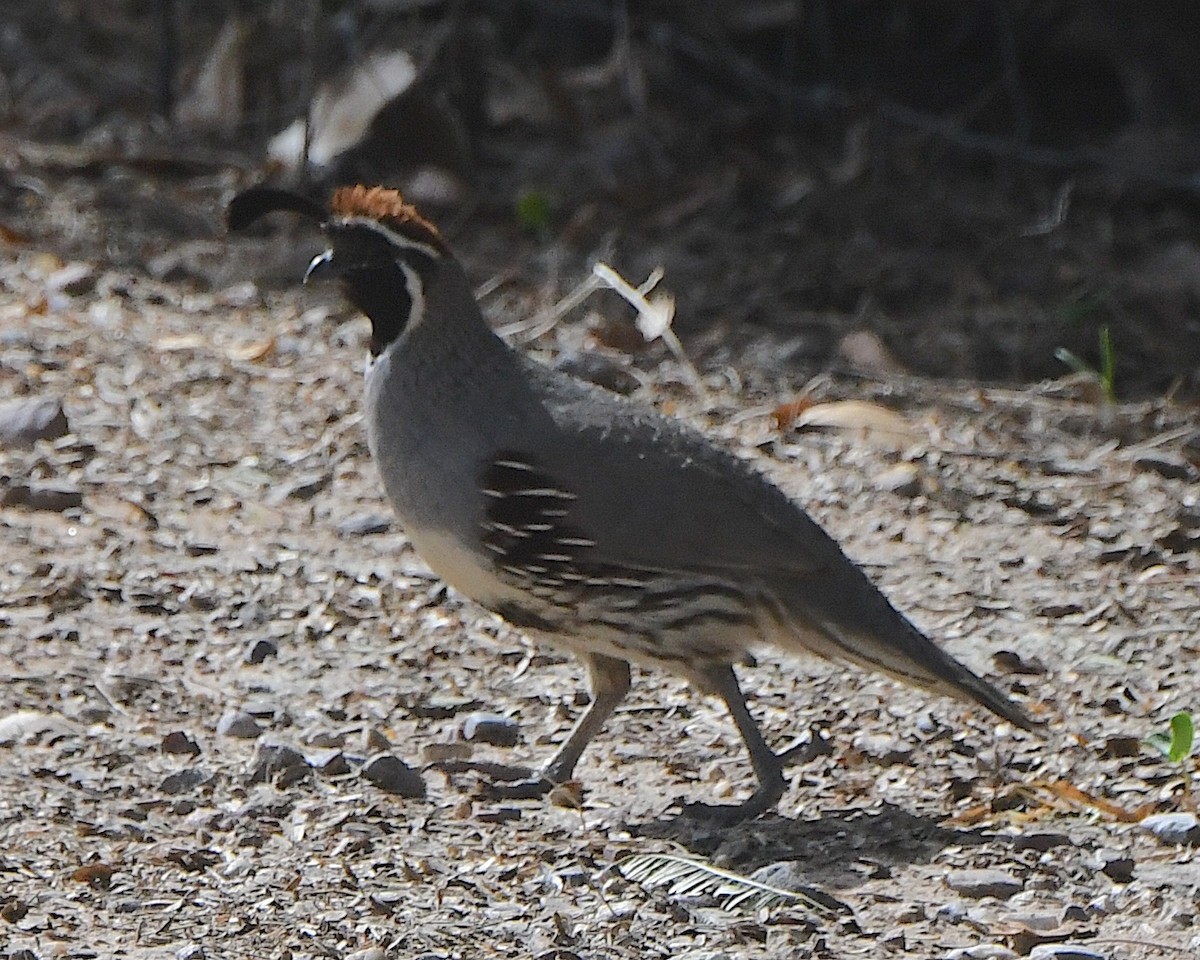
(502, 781)
(527, 788)
(761, 801)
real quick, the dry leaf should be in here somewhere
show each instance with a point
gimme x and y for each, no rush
(865, 421)
(1072, 793)
(94, 874)
(784, 415)
(253, 351)
(569, 795)
(182, 341)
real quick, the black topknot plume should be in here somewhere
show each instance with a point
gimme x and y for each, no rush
(255, 203)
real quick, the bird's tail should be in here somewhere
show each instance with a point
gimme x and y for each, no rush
(849, 619)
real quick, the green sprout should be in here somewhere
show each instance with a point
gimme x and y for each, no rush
(1177, 744)
(1106, 376)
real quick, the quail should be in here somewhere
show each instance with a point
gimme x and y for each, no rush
(581, 518)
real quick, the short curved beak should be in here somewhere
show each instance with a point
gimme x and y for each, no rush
(321, 268)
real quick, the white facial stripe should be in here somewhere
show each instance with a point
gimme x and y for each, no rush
(416, 291)
(405, 243)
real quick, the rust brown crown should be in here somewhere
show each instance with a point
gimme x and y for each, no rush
(388, 207)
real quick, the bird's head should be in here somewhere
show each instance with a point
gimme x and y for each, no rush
(383, 252)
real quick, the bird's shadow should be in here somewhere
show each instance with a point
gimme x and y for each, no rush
(838, 850)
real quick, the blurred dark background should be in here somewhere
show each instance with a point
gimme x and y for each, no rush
(973, 185)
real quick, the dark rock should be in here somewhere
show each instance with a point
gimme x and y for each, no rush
(237, 724)
(1119, 869)
(392, 775)
(305, 487)
(329, 762)
(489, 728)
(184, 781)
(1122, 746)
(1040, 842)
(178, 742)
(280, 764)
(51, 498)
(260, 650)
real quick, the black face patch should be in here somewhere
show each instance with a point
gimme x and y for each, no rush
(369, 262)
(382, 294)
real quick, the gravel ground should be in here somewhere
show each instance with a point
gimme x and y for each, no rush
(212, 633)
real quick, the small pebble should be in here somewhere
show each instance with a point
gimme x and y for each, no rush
(259, 650)
(1122, 746)
(784, 874)
(279, 763)
(1119, 869)
(305, 487)
(364, 524)
(184, 781)
(74, 279)
(392, 775)
(441, 752)
(983, 883)
(178, 742)
(951, 912)
(1173, 828)
(329, 762)
(490, 728)
(376, 741)
(1064, 951)
(982, 951)
(263, 709)
(235, 723)
(1040, 842)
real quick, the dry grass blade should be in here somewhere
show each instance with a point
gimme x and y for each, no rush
(684, 877)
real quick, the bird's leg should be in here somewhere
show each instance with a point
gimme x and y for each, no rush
(608, 681)
(722, 681)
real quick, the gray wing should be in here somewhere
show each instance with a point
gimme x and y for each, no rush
(685, 504)
(689, 508)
